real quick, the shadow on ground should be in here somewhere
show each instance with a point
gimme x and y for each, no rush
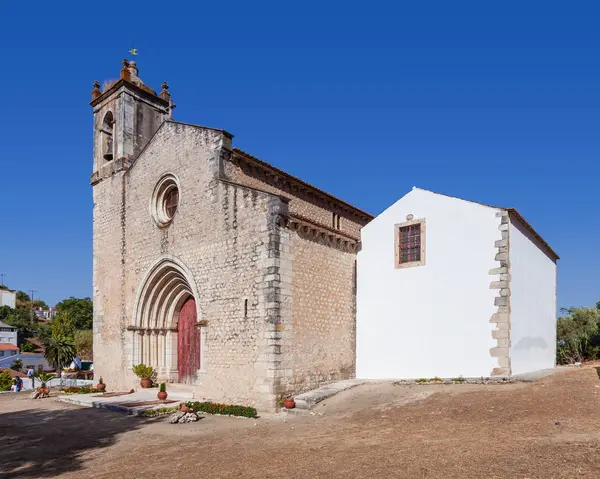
(47, 443)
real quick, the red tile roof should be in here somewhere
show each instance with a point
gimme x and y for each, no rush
(8, 347)
(13, 373)
(264, 164)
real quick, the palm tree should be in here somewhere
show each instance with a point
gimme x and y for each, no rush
(59, 352)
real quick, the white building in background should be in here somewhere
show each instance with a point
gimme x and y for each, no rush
(8, 297)
(449, 287)
(8, 334)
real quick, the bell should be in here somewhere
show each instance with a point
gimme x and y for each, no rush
(108, 156)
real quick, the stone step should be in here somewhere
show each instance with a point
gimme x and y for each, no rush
(308, 399)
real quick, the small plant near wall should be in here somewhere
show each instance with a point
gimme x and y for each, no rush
(145, 373)
(162, 393)
(101, 386)
(161, 411)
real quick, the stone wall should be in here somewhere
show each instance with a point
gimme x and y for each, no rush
(317, 344)
(278, 303)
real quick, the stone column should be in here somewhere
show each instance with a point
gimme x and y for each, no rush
(171, 356)
(161, 354)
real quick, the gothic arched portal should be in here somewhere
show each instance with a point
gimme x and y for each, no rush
(165, 328)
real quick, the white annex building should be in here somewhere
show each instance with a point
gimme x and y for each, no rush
(449, 287)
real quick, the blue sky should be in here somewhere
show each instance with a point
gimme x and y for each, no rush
(364, 100)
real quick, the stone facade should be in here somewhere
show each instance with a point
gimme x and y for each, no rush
(269, 259)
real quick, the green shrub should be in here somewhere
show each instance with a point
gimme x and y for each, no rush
(160, 411)
(421, 380)
(163, 387)
(5, 381)
(78, 390)
(44, 377)
(224, 409)
(459, 379)
(143, 372)
(17, 365)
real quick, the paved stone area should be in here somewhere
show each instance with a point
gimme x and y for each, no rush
(308, 399)
(542, 373)
(119, 403)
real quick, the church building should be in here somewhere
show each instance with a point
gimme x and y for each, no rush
(228, 276)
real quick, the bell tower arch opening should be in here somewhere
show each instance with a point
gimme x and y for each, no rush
(106, 131)
(165, 329)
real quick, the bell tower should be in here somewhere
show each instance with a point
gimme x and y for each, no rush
(127, 113)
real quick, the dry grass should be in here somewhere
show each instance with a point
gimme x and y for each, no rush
(548, 429)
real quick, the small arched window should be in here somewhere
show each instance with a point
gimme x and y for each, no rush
(107, 136)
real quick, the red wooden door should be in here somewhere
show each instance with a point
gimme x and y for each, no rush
(188, 342)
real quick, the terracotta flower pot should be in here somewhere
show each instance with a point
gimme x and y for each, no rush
(162, 395)
(183, 407)
(289, 404)
(45, 390)
(146, 383)
(101, 387)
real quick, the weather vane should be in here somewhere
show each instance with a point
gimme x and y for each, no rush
(133, 51)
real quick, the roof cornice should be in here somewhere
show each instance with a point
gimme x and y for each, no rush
(131, 86)
(290, 183)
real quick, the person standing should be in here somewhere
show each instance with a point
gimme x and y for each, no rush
(19, 384)
(31, 375)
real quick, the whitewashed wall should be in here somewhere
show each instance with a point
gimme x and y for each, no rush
(28, 359)
(8, 336)
(8, 298)
(532, 303)
(431, 320)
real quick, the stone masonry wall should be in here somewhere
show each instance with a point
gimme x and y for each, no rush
(317, 344)
(324, 315)
(107, 275)
(279, 304)
(221, 233)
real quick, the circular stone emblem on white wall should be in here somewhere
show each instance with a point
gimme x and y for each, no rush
(165, 200)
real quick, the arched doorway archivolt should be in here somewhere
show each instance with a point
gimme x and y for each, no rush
(165, 289)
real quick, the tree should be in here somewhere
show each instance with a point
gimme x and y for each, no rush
(84, 343)
(28, 347)
(578, 335)
(5, 312)
(80, 311)
(23, 300)
(17, 365)
(59, 352)
(21, 319)
(43, 333)
(63, 325)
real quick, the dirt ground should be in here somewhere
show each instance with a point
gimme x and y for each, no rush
(547, 429)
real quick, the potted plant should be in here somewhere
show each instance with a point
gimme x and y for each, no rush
(289, 403)
(183, 407)
(162, 393)
(145, 373)
(101, 386)
(44, 378)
